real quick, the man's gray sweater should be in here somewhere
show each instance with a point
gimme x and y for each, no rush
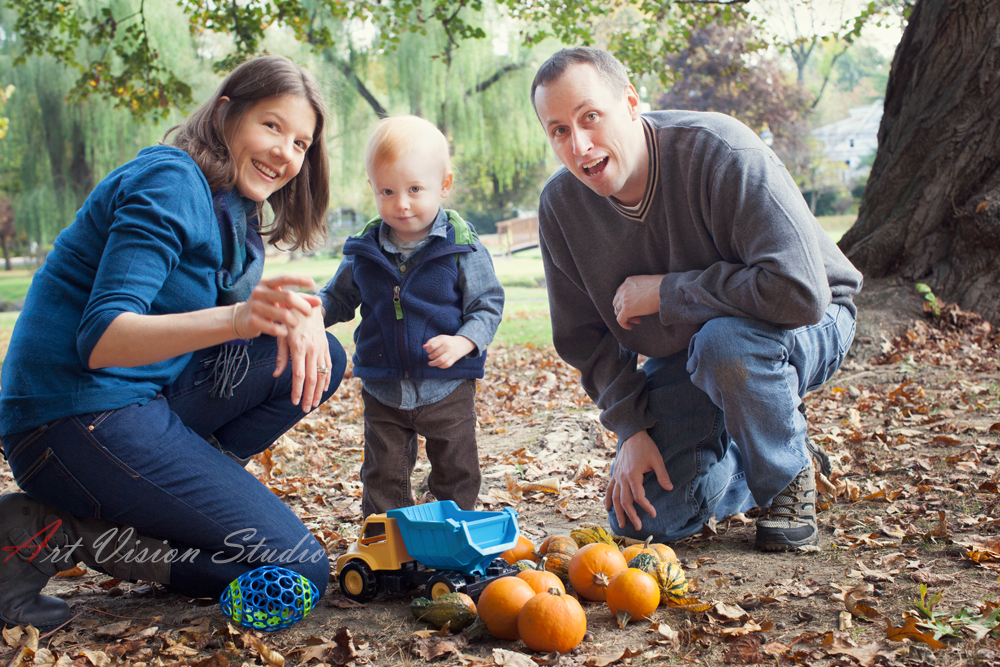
(721, 218)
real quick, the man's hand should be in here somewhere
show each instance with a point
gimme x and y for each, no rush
(446, 350)
(637, 296)
(636, 456)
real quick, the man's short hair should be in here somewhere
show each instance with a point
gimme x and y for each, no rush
(609, 68)
(394, 136)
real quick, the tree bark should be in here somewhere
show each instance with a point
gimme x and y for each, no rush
(931, 210)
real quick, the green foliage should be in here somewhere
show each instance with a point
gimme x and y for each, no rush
(859, 64)
(136, 77)
(944, 623)
(925, 290)
(5, 94)
(132, 71)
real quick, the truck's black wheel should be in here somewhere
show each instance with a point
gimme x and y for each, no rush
(358, 582)
(441, 584)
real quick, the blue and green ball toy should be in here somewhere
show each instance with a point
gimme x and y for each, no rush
(269, 598)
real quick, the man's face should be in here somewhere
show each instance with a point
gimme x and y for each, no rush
(595, 132)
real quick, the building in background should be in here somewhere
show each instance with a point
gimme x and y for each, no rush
(852, 141)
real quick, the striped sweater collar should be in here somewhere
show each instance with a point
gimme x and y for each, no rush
(639, 213)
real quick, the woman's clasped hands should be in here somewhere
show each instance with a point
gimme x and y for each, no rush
(276, 309)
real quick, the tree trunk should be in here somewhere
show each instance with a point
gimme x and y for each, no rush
(931, 210)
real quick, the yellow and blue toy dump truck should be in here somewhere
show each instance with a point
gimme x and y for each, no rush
(436, 546)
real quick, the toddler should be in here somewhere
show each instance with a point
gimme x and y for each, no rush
(430, 304)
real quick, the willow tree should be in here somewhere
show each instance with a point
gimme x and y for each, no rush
(131, 68)
(479, 101)
(931, 210)
(57, 146)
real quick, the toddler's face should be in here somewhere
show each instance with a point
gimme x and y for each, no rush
(409, 192)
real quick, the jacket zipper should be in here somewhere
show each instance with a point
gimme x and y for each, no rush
(400, 333)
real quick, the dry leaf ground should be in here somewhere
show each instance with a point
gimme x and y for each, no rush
(911, 423)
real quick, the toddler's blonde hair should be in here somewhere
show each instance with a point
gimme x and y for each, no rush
(394, 136)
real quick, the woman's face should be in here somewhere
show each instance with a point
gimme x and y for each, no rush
(270, 144)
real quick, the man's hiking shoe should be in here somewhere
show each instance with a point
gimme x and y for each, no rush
(820, 460)
(819, 457)
(790, 521)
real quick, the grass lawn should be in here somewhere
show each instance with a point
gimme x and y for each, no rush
(525, 320)
(14, 283)
(526, 313)
(836, 225)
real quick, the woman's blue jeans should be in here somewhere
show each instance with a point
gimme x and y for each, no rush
(728, 424)
(150, 467)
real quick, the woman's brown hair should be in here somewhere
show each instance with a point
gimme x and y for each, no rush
(300, 206)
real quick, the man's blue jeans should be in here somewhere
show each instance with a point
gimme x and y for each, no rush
(728, 424)
(150, 467)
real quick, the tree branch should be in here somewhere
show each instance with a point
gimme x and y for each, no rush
(826, 78)
(486, 83)
(348, 72)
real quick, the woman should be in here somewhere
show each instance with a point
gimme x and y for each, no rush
(150, 361)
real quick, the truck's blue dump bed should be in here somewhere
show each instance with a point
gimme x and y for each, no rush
(443, 537)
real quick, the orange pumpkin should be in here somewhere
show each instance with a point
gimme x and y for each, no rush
(523, 550)
(540, 579)
(634, 550)
(501, 602)
(661, 551)
(665, 553)
(634, 592)
(552, 621)
(591, 569)
(558, 544)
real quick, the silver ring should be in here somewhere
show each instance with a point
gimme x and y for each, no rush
(322, 370)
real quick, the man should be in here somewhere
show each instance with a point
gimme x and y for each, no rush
(680, 236)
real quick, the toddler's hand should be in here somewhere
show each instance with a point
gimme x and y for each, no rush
(446, 350)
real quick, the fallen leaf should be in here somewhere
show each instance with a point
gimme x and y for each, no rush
(774, 648)
(29, 639)
(113, 629)
(269, 655)
(583, 471)
(728, 612)
(44, 658)
(745, 650)
(345, 650)
(688, 604)
(747, 628)
(866, 654)
(12, 635)
(549, 485)
(217, 659)
(97, 658)
(931, 579)
(668, 633)
(21, 656)
(512, 658)
(606, 659)
(909, 631)
(431, 648)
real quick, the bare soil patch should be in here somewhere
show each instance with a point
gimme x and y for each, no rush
(910, 422)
